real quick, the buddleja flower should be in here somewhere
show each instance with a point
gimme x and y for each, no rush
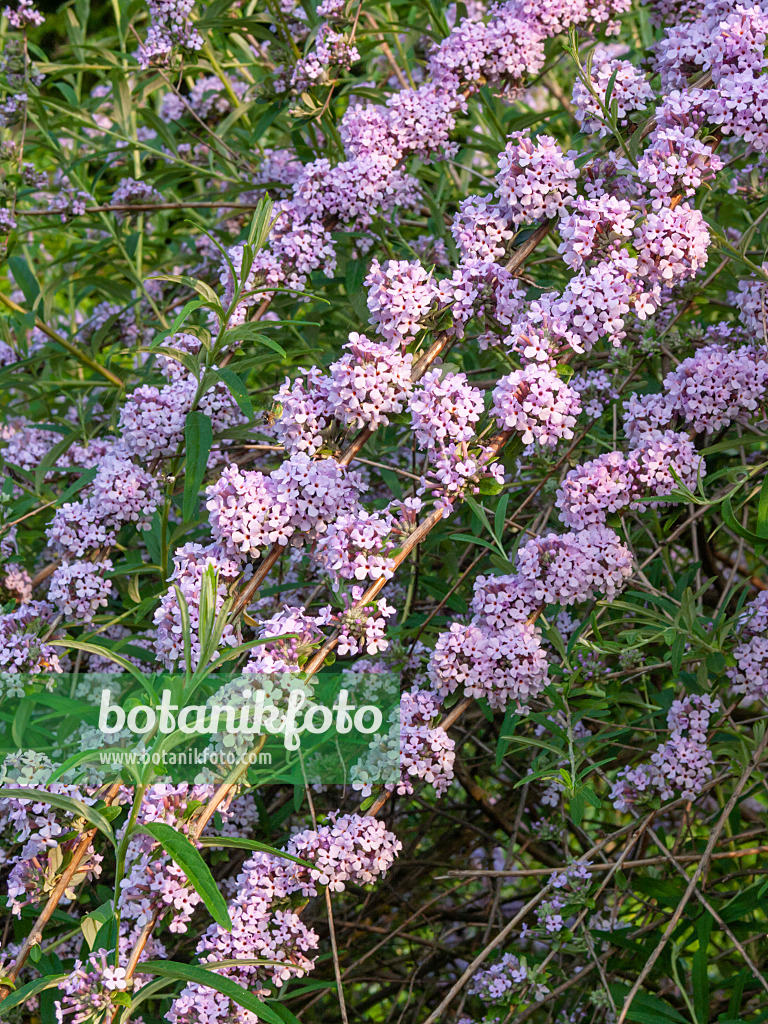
(535, 179)
(400, 295)
(23, 652)
(444, 409)
(595, 227)
(25, 14)
(171, 27)
(750, 674)
(368, 384)
(564, 569)
(537, 403)
(79, 589)
(356, 546)
(631, 92)
(612, 482)
(250, 511)
(361, 627)
(683, 763)
(708, 391)
(672, 244)
(153, 419)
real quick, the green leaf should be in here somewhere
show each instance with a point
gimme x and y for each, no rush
(25, 279)
(208, 979)
(32, 988)
(92, 923)
(85, 478)
(21, 720)
(177, 846)
(238, 390)
(65, 803)
(577, 806)
(203, 290)
(249, 844)
(198, 433)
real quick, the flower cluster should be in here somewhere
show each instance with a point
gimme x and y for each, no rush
(683, 763)
(171, 27)
(537, 403)
(80, 589)
(251, 511)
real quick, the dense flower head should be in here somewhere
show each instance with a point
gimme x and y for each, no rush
(614, 481)
(194, 566)
(535, 178)
(709, 390)
(501, 666)
(564, 569)
(480, 229)
(153, 419)
(400, 295)
(444, 408)
(121, 493)
(350, 848)
(672, 244)
(593, 228)
(24, 650)
(537, 403)
(677, 163)
(80, 589)
(500, 50)
(356, 546)
(631, 93)
(251, 511)
(749, 676)
(369, 383)
(171, 27)
(683, 763)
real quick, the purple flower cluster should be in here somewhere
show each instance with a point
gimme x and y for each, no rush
(631, 93)
(121, 493)
(152, 419)
(749, 676)
(536, 403)
(707, 391)
(251, 511)
(444, 409)
(357, 546)
(683, 763)
(25, 14)
(23, 651)
(614, 482)
(496, 981)
(171, 27)
(79, 589)
(195, 566)
(535, 180)
(400, 296)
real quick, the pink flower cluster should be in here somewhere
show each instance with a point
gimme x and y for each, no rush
(613, 482)
(80, 589)
(536, 403)
(683, 763)
(193, 564)
(251, 511)
(707, 391)
(349, 848)
(535, 180)
(749, 676)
